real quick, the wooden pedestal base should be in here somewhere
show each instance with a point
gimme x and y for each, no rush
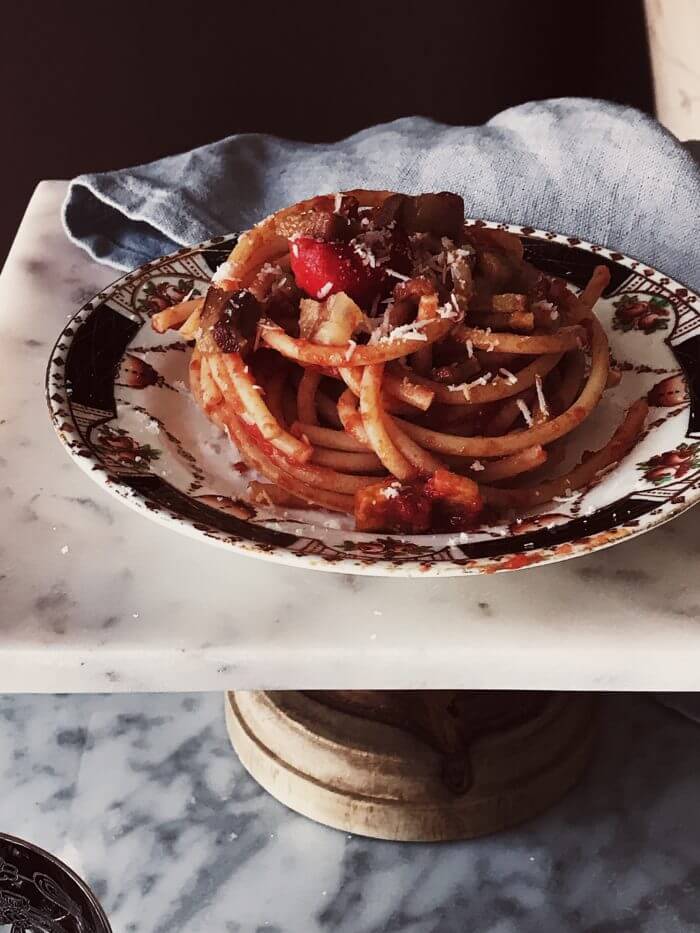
(413, 766)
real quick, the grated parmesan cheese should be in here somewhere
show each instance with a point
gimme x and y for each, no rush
(540, 396)
(397, 275)
(470, 349)
(447, 311)
(477, 466)
(480, 381)
(324, 290)
(352, 344)
(526, 413)
(372, 246)
(365, 253)
(223, 272)
(409, 331)
(510, 377)
(490, 347)
(390, 492)
(546, 306)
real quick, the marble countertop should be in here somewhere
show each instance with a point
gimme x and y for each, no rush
(143, 797)
(92, 599)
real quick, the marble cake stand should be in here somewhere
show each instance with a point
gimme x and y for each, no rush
(94, 598)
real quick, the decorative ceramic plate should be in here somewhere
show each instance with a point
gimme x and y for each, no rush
(119, 401)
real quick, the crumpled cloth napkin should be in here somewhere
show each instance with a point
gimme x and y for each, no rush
(588, 168)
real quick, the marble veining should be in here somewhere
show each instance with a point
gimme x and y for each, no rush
(143, 796)
(97, 598)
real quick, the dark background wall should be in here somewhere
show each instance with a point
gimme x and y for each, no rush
(93, 86)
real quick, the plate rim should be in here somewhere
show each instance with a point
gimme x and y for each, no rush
(383, 567)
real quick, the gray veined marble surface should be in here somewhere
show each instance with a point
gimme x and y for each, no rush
(93, 597)
(143, 796)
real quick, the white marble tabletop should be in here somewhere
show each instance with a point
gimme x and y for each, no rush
(143, 797)
(92, 599)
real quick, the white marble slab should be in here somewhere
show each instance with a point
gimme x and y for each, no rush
(143, 797)
(96, 598)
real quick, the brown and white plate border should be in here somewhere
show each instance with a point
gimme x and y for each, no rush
(80, 396)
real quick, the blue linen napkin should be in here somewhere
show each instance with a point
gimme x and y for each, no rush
(592, 169)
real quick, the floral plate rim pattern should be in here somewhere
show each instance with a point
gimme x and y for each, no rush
(80, 393)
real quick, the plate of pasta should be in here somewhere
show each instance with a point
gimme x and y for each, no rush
(366, 381)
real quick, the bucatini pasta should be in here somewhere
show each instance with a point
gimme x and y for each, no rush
(369, 353)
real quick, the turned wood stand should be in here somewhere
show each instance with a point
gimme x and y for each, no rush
(413, 765)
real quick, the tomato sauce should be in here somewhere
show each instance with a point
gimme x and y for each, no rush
(444, 502)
